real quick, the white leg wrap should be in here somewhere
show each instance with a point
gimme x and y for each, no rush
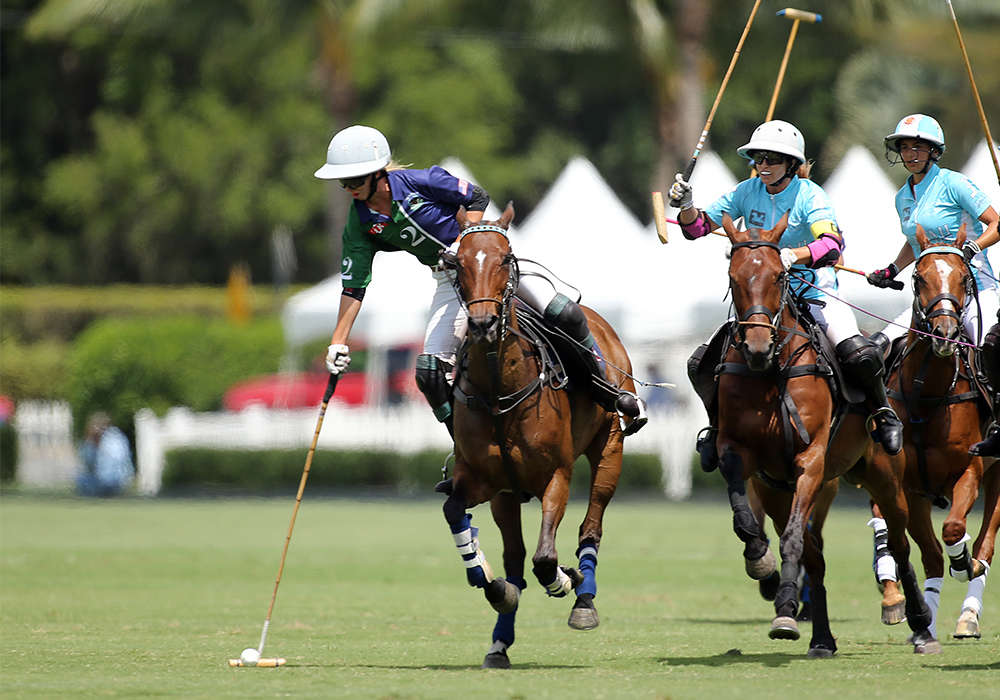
(561, 586)
(885, 569)
(498, 647)
(464, 541)
(932, 596)
(956, 549)
(878, 524)
(974, 593)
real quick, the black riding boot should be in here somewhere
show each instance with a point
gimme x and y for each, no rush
(566, 315)
(989, 360)
(432, 380)
(701, 373)
(862, 364)
(990, 445)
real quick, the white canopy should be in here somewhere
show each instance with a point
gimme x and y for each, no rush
(863, 197)
(584, 234)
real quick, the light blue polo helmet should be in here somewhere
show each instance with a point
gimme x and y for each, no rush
(916, 126)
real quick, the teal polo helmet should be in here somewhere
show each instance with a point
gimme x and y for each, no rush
(916, 126)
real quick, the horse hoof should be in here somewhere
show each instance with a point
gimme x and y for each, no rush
(503, 596)
(894, 614)
(820, 653)
(783, 627)
(762, 568)
(924, 643)
(583, 616)
(768, 586)
(968, 625)
(496, 659)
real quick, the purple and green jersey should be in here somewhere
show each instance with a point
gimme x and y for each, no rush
(422, 222)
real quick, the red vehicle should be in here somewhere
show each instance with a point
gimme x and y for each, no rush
(305, 389)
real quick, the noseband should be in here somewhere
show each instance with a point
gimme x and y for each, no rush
(923, 314)
(759, 309)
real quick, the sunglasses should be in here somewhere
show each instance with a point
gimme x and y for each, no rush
(353, 183)
(770, 157)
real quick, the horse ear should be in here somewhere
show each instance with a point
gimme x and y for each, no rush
(508, 215)
(960, 239)
(460, 216)
(779, 228)
(922, 238)
(728, 225)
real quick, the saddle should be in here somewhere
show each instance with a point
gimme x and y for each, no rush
(546, 345)
(707, 363)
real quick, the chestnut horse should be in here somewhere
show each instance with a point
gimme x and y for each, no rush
(517, 435)
(776, 414)
(932, 388)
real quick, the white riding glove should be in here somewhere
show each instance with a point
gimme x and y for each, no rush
(337, 358)
(680, 193)
(788, 258)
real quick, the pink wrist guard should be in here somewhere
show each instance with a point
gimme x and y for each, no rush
(824, 250)
(697, 228)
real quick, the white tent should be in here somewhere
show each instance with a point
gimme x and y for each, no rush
(682, 284)
(585, 235)
(863, 199)
(980, 170)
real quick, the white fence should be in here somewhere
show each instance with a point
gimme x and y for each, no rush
(408, 428)
(47, 456)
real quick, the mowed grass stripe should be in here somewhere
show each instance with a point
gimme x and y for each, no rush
(134, 597)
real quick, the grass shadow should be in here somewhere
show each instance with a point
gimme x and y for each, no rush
(735, 656)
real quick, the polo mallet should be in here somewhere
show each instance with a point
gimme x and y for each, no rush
(975, 92)
(796, 16)
(255, 660)
(894, 284)
(661, 230)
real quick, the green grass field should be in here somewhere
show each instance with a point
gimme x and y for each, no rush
(136, 598)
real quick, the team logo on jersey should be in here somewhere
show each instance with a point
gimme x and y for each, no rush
(906, 213)
(756, 218)
(376, 229)
(414, 201)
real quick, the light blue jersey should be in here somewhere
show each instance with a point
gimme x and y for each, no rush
(941, 203)
(806, 203)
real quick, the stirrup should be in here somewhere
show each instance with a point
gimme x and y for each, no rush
(705, 447)
(445, 485)
(628, 404)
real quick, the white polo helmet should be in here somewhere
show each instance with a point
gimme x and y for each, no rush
(777, 136)
(355, 151)
(916, 126)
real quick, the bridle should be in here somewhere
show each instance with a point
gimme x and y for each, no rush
(505, 302)
(923, 314)
(774, 317)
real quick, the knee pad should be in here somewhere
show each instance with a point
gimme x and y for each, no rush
(432, 380)
(860, 357)
(566, 314)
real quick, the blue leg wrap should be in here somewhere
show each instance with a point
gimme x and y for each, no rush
(466, 540)
(503, 631)
(588, 567)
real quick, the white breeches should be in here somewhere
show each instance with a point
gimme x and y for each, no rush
(449, 322)
(836, 319)
(989, 303)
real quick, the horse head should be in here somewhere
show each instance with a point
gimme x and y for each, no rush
(942, 282)
(758, 283)
(486, 274)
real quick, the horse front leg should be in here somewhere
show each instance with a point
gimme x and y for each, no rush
(963, 567)
(556, 581)
(809, 463)
(758, 559)
(606, 467)
(883, 480)
(972, 607)
(506, 511)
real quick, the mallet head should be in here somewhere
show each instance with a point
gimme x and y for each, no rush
(801, 15)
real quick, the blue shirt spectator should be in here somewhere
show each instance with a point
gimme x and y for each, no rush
(107, 459)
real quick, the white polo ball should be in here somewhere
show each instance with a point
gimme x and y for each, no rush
(250, 656)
